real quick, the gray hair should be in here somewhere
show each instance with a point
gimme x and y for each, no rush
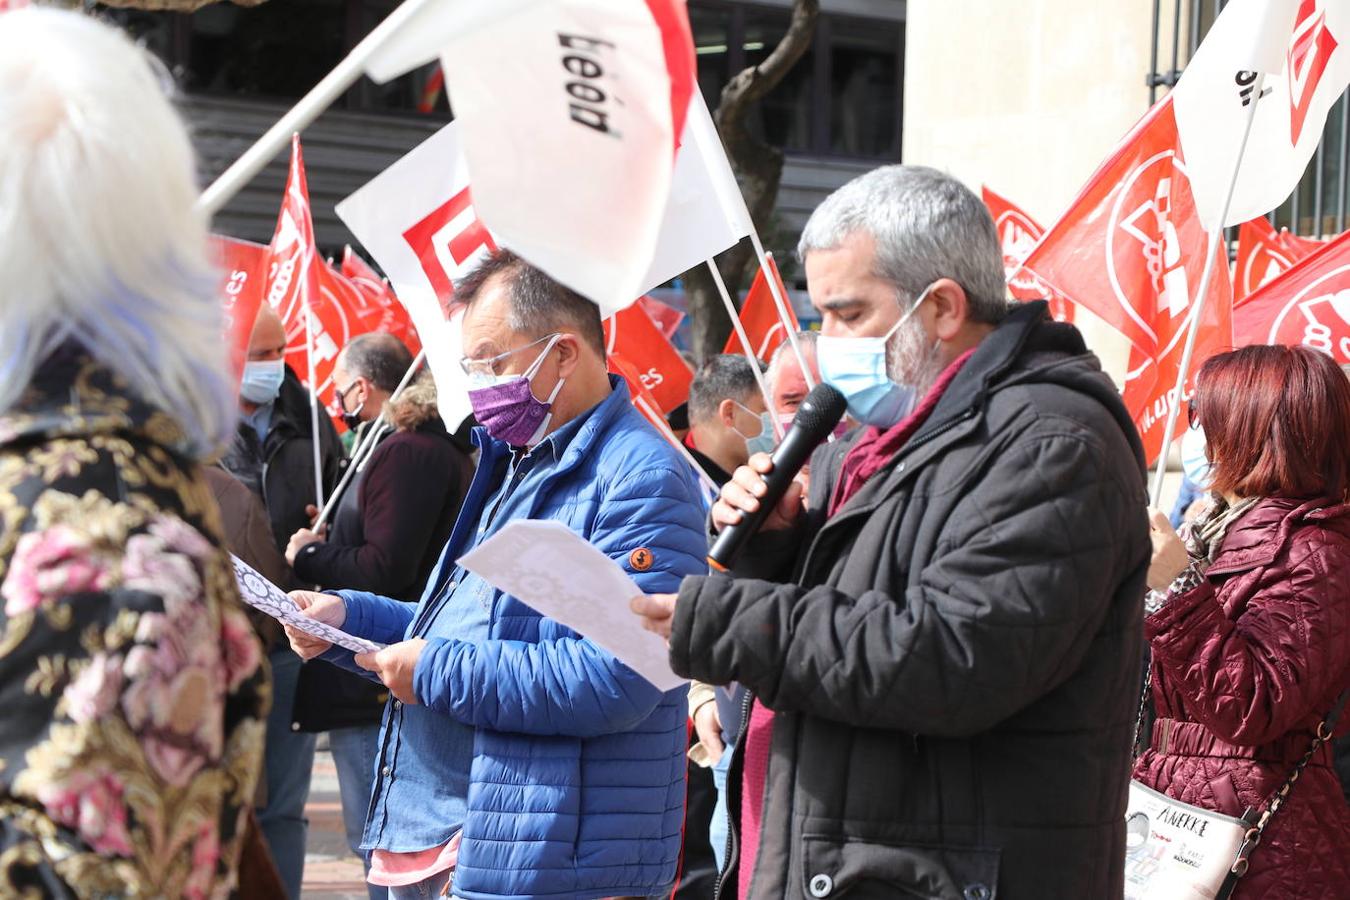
(926, 224)
(379, 357)
(722, 377)
(100, 240)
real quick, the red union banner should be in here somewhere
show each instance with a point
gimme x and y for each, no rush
(382, 306)
(243, 266)
(1131, 249)
(759, 316)
(1261, 256)
(1017, 234)
(631, 335)
(1309, 305)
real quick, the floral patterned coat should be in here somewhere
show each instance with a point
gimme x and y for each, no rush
(132, 691)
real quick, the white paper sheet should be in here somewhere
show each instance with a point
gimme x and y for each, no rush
(556, 572)
(262, 594)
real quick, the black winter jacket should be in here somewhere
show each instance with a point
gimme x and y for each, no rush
(954, 657)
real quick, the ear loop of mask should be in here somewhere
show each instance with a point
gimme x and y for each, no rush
(533, 369)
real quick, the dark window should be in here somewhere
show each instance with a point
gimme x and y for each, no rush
(865, 88)
(783, 118)
(712, 43)
(273, 50)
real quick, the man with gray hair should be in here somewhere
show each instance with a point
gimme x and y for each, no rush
(943, 644)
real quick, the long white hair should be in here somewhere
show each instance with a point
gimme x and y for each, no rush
(99, 241)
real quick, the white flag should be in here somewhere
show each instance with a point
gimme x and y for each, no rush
(569, 113)
(1297, 51)
(705, 213)
(418, 220)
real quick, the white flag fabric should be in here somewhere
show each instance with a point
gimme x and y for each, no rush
(705, 213)
(1298, 51)
(569, 111)
(417, 218)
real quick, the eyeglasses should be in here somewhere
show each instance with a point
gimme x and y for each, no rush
(1193, 414)
(488, 367)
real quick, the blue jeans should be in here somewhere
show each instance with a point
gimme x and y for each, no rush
(289, 761)
(720, 826)
(354, 750)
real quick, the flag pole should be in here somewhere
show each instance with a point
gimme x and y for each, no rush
(781, 303)
(364, 450)
(1215, 237)
(745, 345)
(309, 108)
(313, 399)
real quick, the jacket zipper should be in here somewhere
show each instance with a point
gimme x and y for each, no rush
(746, 704)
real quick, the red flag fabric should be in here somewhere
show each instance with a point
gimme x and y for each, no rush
(631, 335)
(667, 318)
(1299, 246)
(381, 310)
(1261, 257)
(759, 315)
(630, 374)
(1017, 234)
(1309, 304)
(431, 91)
(299, 285)
(1131, 250)
(243, 266)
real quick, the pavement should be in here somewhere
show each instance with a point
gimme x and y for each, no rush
(332, 871)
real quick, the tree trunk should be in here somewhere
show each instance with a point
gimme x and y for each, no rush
(759, 170)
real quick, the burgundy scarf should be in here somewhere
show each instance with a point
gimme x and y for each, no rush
(876, 448)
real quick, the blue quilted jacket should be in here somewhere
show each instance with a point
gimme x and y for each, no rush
(577, 783)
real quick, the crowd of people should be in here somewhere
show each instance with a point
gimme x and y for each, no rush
(936, 668)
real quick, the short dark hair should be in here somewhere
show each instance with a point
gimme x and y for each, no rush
(379, 357)
(1276, 422)
(727, 375)
(539, 305)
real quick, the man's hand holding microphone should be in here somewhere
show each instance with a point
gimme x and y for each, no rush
(763, 495)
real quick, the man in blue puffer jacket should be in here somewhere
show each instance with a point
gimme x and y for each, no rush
(517, 758)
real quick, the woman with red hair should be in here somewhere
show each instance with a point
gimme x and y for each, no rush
(1250, 628)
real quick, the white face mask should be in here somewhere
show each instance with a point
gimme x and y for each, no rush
(856, 367)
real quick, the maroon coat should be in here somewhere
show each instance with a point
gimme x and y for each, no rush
(1245, 666)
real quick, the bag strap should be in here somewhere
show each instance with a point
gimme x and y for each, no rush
(1252, 838)
(1137, 748)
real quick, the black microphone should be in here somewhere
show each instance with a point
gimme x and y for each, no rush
(816, 417)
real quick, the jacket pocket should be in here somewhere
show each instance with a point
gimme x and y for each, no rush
(859, 869)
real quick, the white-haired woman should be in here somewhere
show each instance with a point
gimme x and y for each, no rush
(131, 691)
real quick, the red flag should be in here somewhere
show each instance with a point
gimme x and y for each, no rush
(667, 318)
(1131, 249)
(299, 284)
(629, 373)
(382, 310)
(1017, 234)
(1309, 304)
(759, 315)
(1299, 246)
(431, 91)
(631, 335)
(1261, 256)
(243, 265)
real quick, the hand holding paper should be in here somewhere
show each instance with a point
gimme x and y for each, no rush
(561, 575)
(262, 594)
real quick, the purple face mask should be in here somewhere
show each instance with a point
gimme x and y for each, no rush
(508, 408)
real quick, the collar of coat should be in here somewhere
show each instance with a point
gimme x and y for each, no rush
(1264, 531)
(72, 394)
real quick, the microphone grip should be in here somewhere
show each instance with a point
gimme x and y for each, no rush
(788, 459)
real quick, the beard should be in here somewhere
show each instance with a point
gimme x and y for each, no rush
(912, 358)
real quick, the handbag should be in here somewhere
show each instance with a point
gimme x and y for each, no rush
(1177, 851)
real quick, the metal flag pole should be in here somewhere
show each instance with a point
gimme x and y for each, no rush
(1215, 237)
(364, 450)
(781, 303)
(310, 107)
(745, 346)
(313, 399)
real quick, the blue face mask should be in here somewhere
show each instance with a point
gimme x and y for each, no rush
(856, 367)
(766, 440)
(262, 380)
